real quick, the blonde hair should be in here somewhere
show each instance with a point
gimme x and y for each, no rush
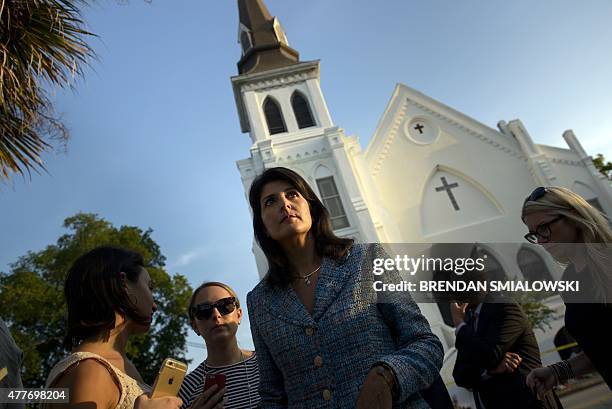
(593, 226)
(211, 284)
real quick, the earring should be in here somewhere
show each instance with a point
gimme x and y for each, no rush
(135, 301)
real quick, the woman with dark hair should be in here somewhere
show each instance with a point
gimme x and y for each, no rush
(109, 298)
(323, 337)
(578, 235)
(214, 315)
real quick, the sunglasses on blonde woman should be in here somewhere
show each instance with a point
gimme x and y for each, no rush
(537, 193)
(204, 311)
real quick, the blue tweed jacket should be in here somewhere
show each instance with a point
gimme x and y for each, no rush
(321, 360)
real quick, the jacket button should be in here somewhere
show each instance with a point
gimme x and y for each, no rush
(327, 394)
(309, 331)
(318, 361)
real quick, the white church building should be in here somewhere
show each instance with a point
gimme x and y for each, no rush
(430, 174)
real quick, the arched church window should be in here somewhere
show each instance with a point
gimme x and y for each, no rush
(332, 201)
(302, 112)
(245, 41)
(532, 265)
(274, 117)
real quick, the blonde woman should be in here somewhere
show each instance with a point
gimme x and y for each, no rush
(577, 234)
(215, 314)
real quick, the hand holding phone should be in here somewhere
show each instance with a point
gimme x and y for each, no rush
(169, 378)
(214, 390)
(214, 379)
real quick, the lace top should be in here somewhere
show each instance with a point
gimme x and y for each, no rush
(129, 388)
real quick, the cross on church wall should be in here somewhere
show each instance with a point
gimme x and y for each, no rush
(419, 128)
(446, 187)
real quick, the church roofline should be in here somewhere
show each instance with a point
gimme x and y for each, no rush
(558, 148)
(275, 72)
(402, 91)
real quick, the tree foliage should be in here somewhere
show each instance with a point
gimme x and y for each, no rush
(605, 167)
(33, 305)
(42, 46)
(538, 313)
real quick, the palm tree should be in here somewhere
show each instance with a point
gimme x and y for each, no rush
(42, 46)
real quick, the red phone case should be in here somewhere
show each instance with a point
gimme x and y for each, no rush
(216, 379)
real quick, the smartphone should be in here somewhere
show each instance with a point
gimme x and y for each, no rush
(169, 379)
(216, 379)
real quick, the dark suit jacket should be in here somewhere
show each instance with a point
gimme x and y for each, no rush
(502, 327)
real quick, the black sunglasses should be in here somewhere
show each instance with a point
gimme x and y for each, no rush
(537, 193)
(204, 311)
(542, 231)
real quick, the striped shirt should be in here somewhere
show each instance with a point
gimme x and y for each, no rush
(241, 382)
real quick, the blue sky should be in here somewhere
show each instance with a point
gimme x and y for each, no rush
(155, 133)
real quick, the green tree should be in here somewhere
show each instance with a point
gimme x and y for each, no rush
(605, 167)
(32, 300)
(42, 45)
(538, 313)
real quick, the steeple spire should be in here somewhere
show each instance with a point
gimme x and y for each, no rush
(263, 41)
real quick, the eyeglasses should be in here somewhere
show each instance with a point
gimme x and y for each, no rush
(542, 231)
(204, 311)
(537, 193)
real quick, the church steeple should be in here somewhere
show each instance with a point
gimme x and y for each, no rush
(262, 38)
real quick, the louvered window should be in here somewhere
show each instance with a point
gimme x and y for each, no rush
(302, 111)
(332, 201)
(274, 117)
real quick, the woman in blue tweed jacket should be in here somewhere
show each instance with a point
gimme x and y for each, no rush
(324, 338)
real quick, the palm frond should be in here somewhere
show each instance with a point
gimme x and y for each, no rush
(42, 45)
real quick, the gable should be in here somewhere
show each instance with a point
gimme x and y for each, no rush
(407, 116)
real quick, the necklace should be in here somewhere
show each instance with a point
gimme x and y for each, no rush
(246, 375)
(306, 278)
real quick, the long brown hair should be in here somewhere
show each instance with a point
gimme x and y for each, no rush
(326, 242)
(94, 291)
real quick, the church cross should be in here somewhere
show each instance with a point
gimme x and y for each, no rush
(419, 128)
(447, 187)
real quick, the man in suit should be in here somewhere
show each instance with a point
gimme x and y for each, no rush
(496, 350)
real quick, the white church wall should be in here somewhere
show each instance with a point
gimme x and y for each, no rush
(256, 119)
(386, 230)
(478, 205)
(410, 174)
(572, 173)
(404, 164)
(318, 105)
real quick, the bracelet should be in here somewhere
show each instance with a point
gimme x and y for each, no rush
(563, 371)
